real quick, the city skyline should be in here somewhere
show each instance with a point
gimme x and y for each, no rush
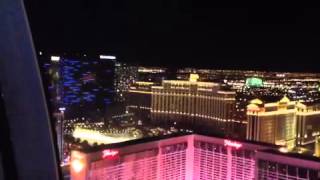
(158, 90)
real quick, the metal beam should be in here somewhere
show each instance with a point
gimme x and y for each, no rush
(23, 95)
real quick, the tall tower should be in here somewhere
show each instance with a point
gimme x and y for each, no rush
(308, 122)
(81, 84)
(125, 75)
(272, 122)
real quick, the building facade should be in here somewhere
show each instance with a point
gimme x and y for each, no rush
(283, 122)
(273, 123)
(274, 165)
(125, 75)
(83, 84)
(138, 99)
(317, 146)
(308, 123)
(193, 103)
(191, 157)
(183, 157)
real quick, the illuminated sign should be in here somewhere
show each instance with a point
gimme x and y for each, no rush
(55, 58)
(283, 150)
(107, 57)
(77, 165)
(254, 82)
(108, 153)
(62, 109)
(232, 144)
(194, 77)
(66, 161)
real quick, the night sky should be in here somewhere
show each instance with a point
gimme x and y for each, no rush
(180, 33)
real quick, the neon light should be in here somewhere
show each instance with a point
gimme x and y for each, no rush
(66, 161)
(107, 57)
(77, 165)
(55, 58)
(194, 77)
(254, 82)
(62, 109)
(283, 150)
(232, 144)
(108, 153)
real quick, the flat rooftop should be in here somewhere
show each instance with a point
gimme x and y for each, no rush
(292, 155)
(96, 148)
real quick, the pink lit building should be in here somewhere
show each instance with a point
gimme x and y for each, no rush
(275, 165)
(187, 157)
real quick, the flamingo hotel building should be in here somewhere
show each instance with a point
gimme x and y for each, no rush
(190, 157)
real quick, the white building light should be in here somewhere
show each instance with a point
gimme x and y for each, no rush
(107, 57)
(55, 58)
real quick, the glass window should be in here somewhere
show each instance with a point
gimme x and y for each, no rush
(203, 145)
(223, 150)
(217, 149)
(272, 166)
(210, 147)
(282, 168)
(197, 144)
(302, 172)
(292, 170)
(263, 164)
(248, 154)
(314, 174)
(239, 153)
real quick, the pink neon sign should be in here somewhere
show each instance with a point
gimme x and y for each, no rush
(108, 153)
(232, 144)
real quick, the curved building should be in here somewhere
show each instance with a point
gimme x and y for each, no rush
(193, 104)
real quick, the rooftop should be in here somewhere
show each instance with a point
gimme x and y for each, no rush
(292, 154)
(91, 149)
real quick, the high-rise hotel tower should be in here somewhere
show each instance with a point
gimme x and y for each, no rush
(272, 122)
(190, 157)
(285, 122)
(193, 103)
(308, 122)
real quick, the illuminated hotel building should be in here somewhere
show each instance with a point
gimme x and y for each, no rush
(308, 123)
(50, 69)
(80, 83)
(125, 75)
(187, 157)
(317, 146)
(193, 103)
(273, 164)
(138, 99)
(87, 82)
(191, 157)
(273, 123)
